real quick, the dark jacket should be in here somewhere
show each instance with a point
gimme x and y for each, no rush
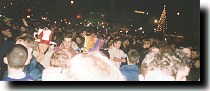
(34, 69)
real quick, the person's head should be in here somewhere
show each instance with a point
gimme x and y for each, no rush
(93, 67)
(126, 42)
(194, 54)
(43, 47)
(187, 51)
(29, 42)
(7, 31)
(146, 44)
(16, 57)
(23, 29)
(117, 43)
(133, 56)
(67, 39)
(197, 63)
(78, 40)
(166, 66)
(59, 59)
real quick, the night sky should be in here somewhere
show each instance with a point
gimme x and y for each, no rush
(116, 11)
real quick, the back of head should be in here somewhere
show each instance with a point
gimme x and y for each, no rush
(169, 63)
(59, 59)
(17, 56)
(133, 56)
(93, 67)
(27, 39)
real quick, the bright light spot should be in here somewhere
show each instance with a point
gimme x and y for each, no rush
(140, 28)
(55, 22)
(121, 31)
(147, 13)
(155, 29)
(0, 15)
(61, 20)
(4, 7)
(142, 31)
(131, 25)
(69, 23)
(85, 20)
(140, 12)
(28, 16)
(155, 21)
(135, 30)
(11, 3)
(103, 26)
(72, 2)
(126, 31)
(66, 22)
(178, 13)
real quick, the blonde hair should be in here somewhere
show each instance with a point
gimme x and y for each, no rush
(59, 59)
(93, 67)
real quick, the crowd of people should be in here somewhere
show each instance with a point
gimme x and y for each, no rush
(40, 51)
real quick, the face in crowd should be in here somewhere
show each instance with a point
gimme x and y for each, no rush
(67, 42)
(117, 44)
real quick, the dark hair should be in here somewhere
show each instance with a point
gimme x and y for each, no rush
(67, 35)
(17, 56)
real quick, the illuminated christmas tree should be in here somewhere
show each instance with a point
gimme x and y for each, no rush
(162, 23)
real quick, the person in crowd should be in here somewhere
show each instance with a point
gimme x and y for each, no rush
(68, 45)
(116, 54)
(194, 74)
(45, 45)
(33, 68)
(16, 59)
(57, 71)
(131, 71)
(6, 34)
(93, 67)
(167, 66)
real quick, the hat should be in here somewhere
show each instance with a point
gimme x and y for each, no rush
(7, 19)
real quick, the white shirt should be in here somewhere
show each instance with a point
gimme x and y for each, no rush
(114, 52)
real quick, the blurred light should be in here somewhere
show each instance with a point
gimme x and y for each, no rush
(147, 13)
(121, 31)
(140, 12)
(72, 2)
(155, 29)
(103, 26)
(175, 31)
(85, 20)
(64, 19)
(4, 7)
(69, 23)
(29, 10)
(61, 20)
(66, 22)
(78, 16)
(155, 21)
(131, 25)
(28, 16)
(135, 30)
(55, 22)
(142, 31)
(11, 3)
(178, 13)
(140, 28)
(98, 22)
(126, 31)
